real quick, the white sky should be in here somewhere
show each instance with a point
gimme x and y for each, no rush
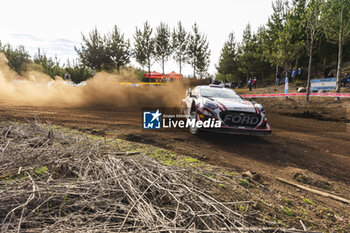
(56, 25)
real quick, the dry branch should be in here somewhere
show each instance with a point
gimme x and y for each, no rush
(72, 183)
(315, 191)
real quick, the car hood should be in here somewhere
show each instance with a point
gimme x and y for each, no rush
(235, 105)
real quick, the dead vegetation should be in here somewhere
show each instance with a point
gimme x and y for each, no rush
(53, 181)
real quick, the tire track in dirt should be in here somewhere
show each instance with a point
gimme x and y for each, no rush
(296, 142)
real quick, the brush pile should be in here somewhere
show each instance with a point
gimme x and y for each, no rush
(55, 182)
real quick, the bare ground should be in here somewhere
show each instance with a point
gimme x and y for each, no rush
(310, 144)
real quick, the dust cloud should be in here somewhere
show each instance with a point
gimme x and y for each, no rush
(104, 91)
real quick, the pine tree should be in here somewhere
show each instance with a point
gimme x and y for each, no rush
(247, 57)
(17, 58)
(313, 29)
(273, 29)
(93, 52)
(118, 49)
(262, 67)
(227, 61)
(336, 24)
(144, 46)
(163, 46)
(180, 45)
(296, 20)
(285, 49)
(198, 51)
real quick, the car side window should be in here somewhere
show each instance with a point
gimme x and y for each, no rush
(195, 92)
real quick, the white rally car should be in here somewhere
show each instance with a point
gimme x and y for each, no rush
(237, 116)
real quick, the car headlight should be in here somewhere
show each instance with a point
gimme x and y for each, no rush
(207, 113)
(210, 104)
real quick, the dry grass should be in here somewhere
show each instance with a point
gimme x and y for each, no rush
(53, 181)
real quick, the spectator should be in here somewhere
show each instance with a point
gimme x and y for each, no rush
(331, 74)
(67, 76)
(278, 79)
(240, 84)
(299, 73)
(345, 79)
(233, 84)
(295, 73)
(327, 71)
(254, 82)
(250, 84)
(216, 82)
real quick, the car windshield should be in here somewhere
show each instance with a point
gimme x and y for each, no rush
(219, 93)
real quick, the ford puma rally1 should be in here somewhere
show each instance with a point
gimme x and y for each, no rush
(237, 116)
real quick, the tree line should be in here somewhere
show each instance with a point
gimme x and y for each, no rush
(113, 50)
(20, 61)
(299, 33)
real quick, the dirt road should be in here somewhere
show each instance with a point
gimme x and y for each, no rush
(320, 146)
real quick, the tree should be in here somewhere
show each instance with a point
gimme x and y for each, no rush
(326, 53)
(262, 67)
(50, 67)
(297, 26)
(274, 27)
(118, 49)
(78, 72)
(285, 49)
(198, 51)
(227, 61)
(313, 29)
(336, 25)
(163, 44)
(247, 57)
(144, 46)
(180, 45)
(17, 58)
(93, 52)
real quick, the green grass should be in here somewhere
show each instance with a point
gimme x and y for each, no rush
(41, 170)
(300, 178)
(244, 183)
(287, 211)
(288, 201)
(308, 201)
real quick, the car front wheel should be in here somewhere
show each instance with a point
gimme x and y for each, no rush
(193, 129)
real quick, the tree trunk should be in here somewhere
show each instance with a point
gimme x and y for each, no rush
(118, 69)
(324, 63)
(149, 70)
(163, 69)
(180, 64)
(309, 72)
(340, 52)
(316, 69)
(262, 79)
(276, 73)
